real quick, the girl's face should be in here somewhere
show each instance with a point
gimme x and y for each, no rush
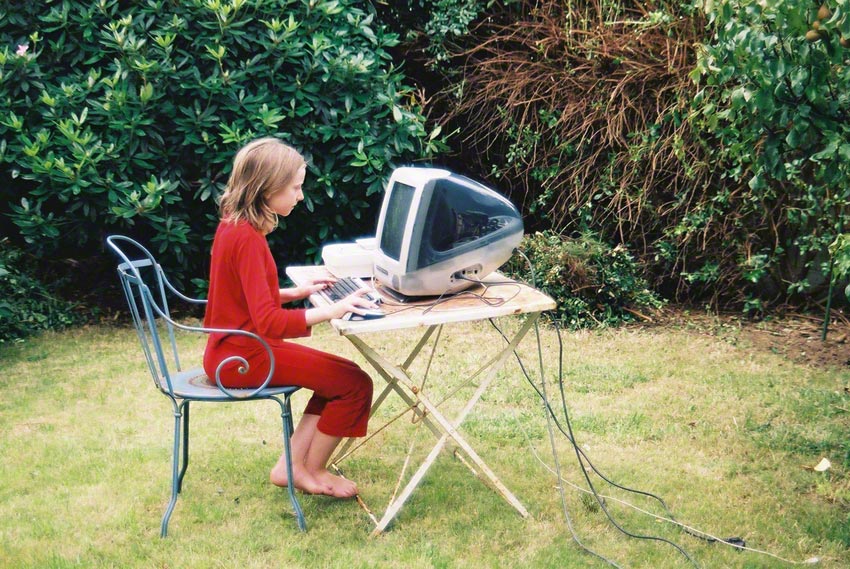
(284, 200)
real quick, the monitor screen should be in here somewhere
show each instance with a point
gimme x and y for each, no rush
(398, 207)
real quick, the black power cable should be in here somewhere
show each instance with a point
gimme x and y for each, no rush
(582, 457)
(733, 541)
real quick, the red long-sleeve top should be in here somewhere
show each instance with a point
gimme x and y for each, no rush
(244, 290)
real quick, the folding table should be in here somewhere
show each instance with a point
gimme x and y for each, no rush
(501, 297)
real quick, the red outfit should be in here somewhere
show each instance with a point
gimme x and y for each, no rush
(244, 294)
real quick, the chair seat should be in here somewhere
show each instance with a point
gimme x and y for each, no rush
(195, 384)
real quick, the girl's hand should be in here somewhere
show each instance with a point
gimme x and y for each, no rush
(305, 290)
(315, 285)
(352, 303)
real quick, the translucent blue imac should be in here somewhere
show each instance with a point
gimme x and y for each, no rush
(438, 232)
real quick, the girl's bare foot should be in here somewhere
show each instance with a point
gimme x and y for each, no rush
(339, 487)
(304, 481)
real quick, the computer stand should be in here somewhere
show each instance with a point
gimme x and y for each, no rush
(402, 298)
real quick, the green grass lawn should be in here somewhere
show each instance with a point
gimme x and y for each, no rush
(726, 436)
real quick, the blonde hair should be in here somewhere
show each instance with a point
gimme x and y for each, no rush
(260, 168)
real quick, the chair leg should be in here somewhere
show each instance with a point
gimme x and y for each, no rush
(286, 416)
(175, 469)
(289, 417)
(185, 447)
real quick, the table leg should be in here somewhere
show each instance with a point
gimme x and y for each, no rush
(392, 376)
(444, 429)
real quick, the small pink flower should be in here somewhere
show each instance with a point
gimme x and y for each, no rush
(22, 50)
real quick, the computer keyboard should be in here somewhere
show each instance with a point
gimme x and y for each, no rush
(346, 286)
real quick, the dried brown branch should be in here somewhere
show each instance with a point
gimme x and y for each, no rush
(583, 103)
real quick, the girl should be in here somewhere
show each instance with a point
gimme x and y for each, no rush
(265, 183)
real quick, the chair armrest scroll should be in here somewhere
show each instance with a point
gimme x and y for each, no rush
(233, 394)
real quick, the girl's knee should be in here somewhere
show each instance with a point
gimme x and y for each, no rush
(365, 385)
(354, 385)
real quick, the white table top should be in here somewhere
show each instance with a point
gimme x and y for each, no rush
(502, 299)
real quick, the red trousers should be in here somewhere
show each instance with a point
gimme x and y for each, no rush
(342, 392)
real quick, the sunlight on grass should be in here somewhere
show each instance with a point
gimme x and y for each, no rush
(727, 437)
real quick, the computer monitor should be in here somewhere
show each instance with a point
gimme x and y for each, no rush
(438, 232)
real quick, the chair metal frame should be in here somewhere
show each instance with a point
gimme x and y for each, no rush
(148, 303)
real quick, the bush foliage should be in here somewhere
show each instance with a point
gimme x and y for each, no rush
(433, 25)
(593, 283)
(26, 304)
(124, 117)
(709, 138)
(773, 104)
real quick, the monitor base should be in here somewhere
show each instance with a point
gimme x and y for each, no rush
(407, 299)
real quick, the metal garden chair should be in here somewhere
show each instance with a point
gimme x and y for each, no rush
(147, 290)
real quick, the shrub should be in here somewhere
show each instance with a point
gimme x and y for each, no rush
(594, 284)
(26, 305)
(124, 117)
(433, 25)
(773, 108)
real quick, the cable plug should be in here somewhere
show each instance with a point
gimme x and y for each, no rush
(737, 542)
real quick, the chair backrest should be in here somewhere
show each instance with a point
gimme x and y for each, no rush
(147, 289)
